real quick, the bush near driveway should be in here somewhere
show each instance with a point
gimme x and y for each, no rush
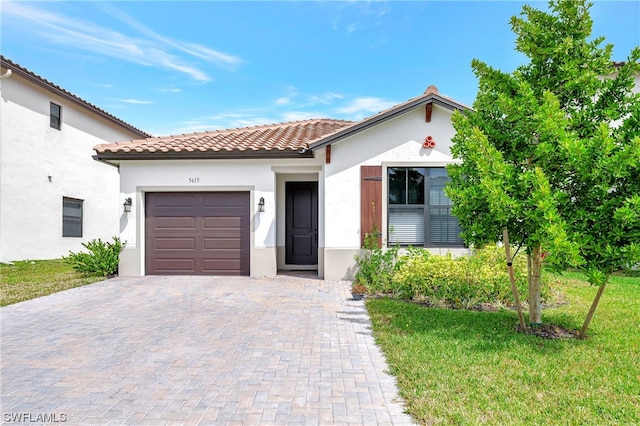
(102, 258)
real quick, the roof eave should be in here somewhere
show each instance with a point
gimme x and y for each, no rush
(198, 155)
(385, 116)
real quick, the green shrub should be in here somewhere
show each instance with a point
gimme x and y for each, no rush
(101, 260)
(465, 282)
(376, 266)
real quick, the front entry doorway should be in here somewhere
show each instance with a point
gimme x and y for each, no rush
(301, 217)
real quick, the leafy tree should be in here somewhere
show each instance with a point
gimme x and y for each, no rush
(552, 151)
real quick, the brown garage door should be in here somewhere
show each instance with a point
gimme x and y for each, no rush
(197, 233)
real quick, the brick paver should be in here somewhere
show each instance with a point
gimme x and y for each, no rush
(195, 351)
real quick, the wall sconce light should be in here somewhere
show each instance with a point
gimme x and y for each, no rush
(261, 205)
(127, 205)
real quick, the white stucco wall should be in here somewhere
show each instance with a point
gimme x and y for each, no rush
(397, 142)
(260, 177)
(40, 165)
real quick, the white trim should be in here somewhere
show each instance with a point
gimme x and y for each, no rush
(296, 169)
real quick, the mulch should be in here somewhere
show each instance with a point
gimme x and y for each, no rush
(551, 331)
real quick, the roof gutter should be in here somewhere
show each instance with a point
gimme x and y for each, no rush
(115, 164)
(113, 158)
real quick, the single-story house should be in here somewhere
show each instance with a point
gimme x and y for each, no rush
(297, 195)
(53, 196)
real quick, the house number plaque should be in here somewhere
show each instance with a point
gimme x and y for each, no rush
(194, 180)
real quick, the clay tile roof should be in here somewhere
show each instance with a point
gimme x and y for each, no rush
(290, 137)
(35, 78)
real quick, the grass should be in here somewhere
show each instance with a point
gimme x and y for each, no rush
(469, 367)
(29, 279)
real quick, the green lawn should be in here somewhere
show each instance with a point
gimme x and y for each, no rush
(30, 279)
(468, 367)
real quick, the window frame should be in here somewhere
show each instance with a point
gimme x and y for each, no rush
(55, 119)
(66, 232)
(424, 208)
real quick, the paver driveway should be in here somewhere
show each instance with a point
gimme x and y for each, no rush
(195, 350)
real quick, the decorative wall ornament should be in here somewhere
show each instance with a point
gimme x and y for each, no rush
(429, 142)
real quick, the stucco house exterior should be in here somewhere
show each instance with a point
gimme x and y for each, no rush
(298, 195)
(53, 196)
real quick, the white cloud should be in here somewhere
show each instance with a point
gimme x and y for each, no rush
(366, 105)
(135, 101)
(221, 59)
(154, 50)
(300, 115)
(354, 26)
(221, 122)
(243, 118)
(306, 100)
(324, 98)
(293, 106)
(170, 90)
(355, 16)
(285, 100)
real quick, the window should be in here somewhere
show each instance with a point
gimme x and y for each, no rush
(71, 217)
(55, 116)
(419, 211)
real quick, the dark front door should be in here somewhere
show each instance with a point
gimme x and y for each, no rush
(302, 223)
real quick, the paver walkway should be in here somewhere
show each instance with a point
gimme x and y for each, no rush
(195, 350)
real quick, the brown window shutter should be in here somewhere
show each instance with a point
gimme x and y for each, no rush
(370, 201)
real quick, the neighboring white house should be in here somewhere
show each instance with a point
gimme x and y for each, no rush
(53, 195)
(636, 79)
(298, 195)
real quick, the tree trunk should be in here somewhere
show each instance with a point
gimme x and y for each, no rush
(514, 288)
(535, 303)
(594, 305)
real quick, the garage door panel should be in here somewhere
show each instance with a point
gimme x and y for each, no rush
(222, 266)
(176, 200)
(175, 223)
(225, 200)
(222, 254)
(175, 243)
(222, 243)
(222, 222)
(174, 266)
(224, 233)
(198, 233)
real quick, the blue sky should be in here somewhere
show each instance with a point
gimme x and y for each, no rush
(178, 67)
